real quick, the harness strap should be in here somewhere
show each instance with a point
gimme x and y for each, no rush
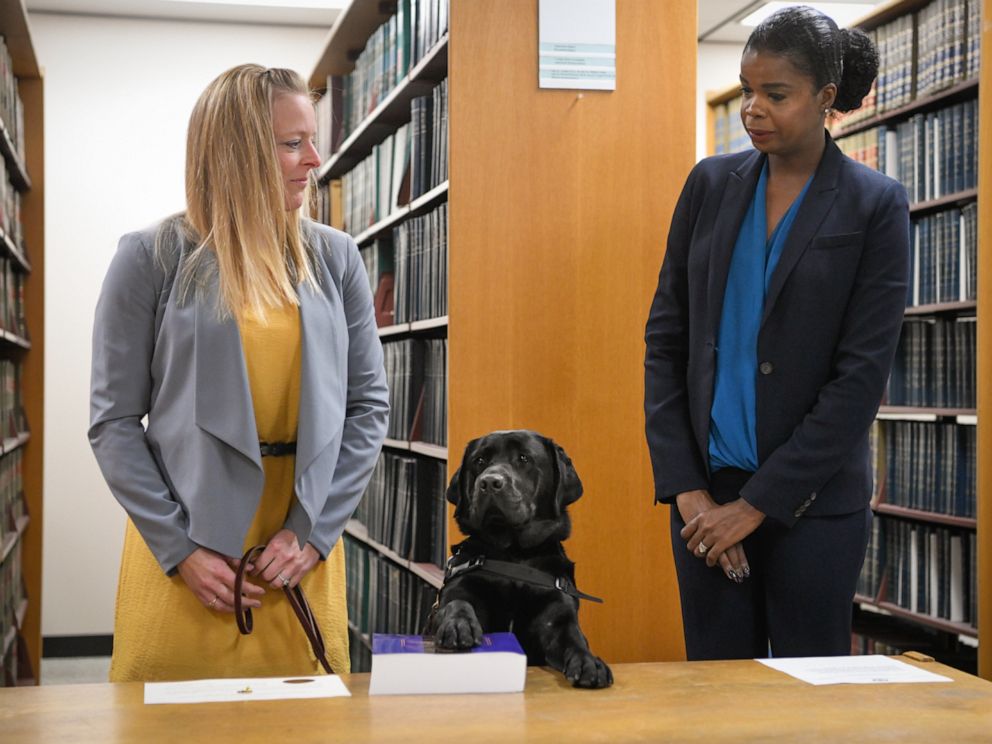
(516, 572)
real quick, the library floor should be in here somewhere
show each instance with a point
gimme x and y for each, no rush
(74, 670)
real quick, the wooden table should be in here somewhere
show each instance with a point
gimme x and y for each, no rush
(721, 701)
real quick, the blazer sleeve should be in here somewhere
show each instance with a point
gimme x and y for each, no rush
(848, 402)
(675, 457)
(120, 395)
(366, 412)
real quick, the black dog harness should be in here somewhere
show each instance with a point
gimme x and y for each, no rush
(458, 565)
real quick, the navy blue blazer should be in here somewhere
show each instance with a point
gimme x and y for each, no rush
(828, 334)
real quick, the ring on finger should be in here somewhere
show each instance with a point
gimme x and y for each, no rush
(701, 548)
(213, 602)
(285, 581)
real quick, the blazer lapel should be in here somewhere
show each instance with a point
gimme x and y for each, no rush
(321, 374)
(223, 397)
(737, 195)
(819, 199)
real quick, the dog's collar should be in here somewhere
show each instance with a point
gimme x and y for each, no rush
(515, 572)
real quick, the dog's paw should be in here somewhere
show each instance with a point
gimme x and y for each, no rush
(583, 669)
(457, 626)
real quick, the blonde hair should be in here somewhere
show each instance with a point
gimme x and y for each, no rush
(236, 198)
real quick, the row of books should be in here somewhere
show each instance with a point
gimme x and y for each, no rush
(11, 596)
(932, 154)
(864, 645)
(12, 297)
(729, 134)
(11, 107)
(935, 363)
(434, 426)
(421, 261)
(410, 363)
(378, 185)
(383, 597)
(392, 50)
(926, 569)
(404, 507)
(378, 257)
(12, 506)
(12, 418)
(10, 208)
(926, 465)
(925, 52)
(944, 257)
(948, 44)
(405, 165)
(429, 140)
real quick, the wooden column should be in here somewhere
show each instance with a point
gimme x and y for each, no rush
(560, 204)
(984, 370)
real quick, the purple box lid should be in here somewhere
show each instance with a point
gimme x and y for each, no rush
(386, 643)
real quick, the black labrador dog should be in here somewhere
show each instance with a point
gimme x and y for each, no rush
(511, 572)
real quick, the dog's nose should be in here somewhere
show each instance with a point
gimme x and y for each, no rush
(493, 481)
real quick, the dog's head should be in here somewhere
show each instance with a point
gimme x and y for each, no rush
(511, 480)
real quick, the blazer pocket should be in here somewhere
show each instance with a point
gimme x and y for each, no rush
(837, 241)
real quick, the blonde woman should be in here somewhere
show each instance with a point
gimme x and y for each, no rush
(246, 334)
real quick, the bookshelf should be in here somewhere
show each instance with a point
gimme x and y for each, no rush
(557, 210)
(22, 347)
(865, 136)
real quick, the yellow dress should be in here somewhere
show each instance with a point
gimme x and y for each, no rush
(162, 632)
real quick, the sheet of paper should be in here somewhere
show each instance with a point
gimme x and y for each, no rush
(578, 44)
(852, 670)
(257, 688)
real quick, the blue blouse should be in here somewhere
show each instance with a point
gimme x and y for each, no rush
(733, 439)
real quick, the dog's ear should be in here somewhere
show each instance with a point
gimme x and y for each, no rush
(568, 487)
(458, 487)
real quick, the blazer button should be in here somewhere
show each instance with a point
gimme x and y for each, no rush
(797, 513)
(766, 368)
(812, 496)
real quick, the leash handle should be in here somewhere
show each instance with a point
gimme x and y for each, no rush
(297, 600)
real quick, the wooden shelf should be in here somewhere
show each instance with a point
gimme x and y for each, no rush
(961, 91)
(15, 252)
(15, 166)
(918, 515)
(435, 196)
(9, 444)
(10, 540)
(417, 325)
(431, 450)
(422, 448)
(911, 412)
(13, 338)
(426, 571)
(943, 307)
(346, 39)
(392, 112)
(946, 626)
(934, 205)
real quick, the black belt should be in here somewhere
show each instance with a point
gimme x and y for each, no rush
(277, 449)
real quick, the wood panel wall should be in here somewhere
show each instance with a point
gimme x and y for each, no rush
(984, 371)
(33, 360)
(559, 211)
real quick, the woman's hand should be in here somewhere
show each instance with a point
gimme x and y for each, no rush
(733, 561)
(283, 562)
(720, 530)
(210, 576)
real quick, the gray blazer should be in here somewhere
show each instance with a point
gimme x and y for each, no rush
(193, 477)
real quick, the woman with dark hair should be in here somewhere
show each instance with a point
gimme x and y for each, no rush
(769, 344)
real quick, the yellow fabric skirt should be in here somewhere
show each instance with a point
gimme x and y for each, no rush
(163, 632)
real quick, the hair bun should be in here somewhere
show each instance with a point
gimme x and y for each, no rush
(860, 69)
